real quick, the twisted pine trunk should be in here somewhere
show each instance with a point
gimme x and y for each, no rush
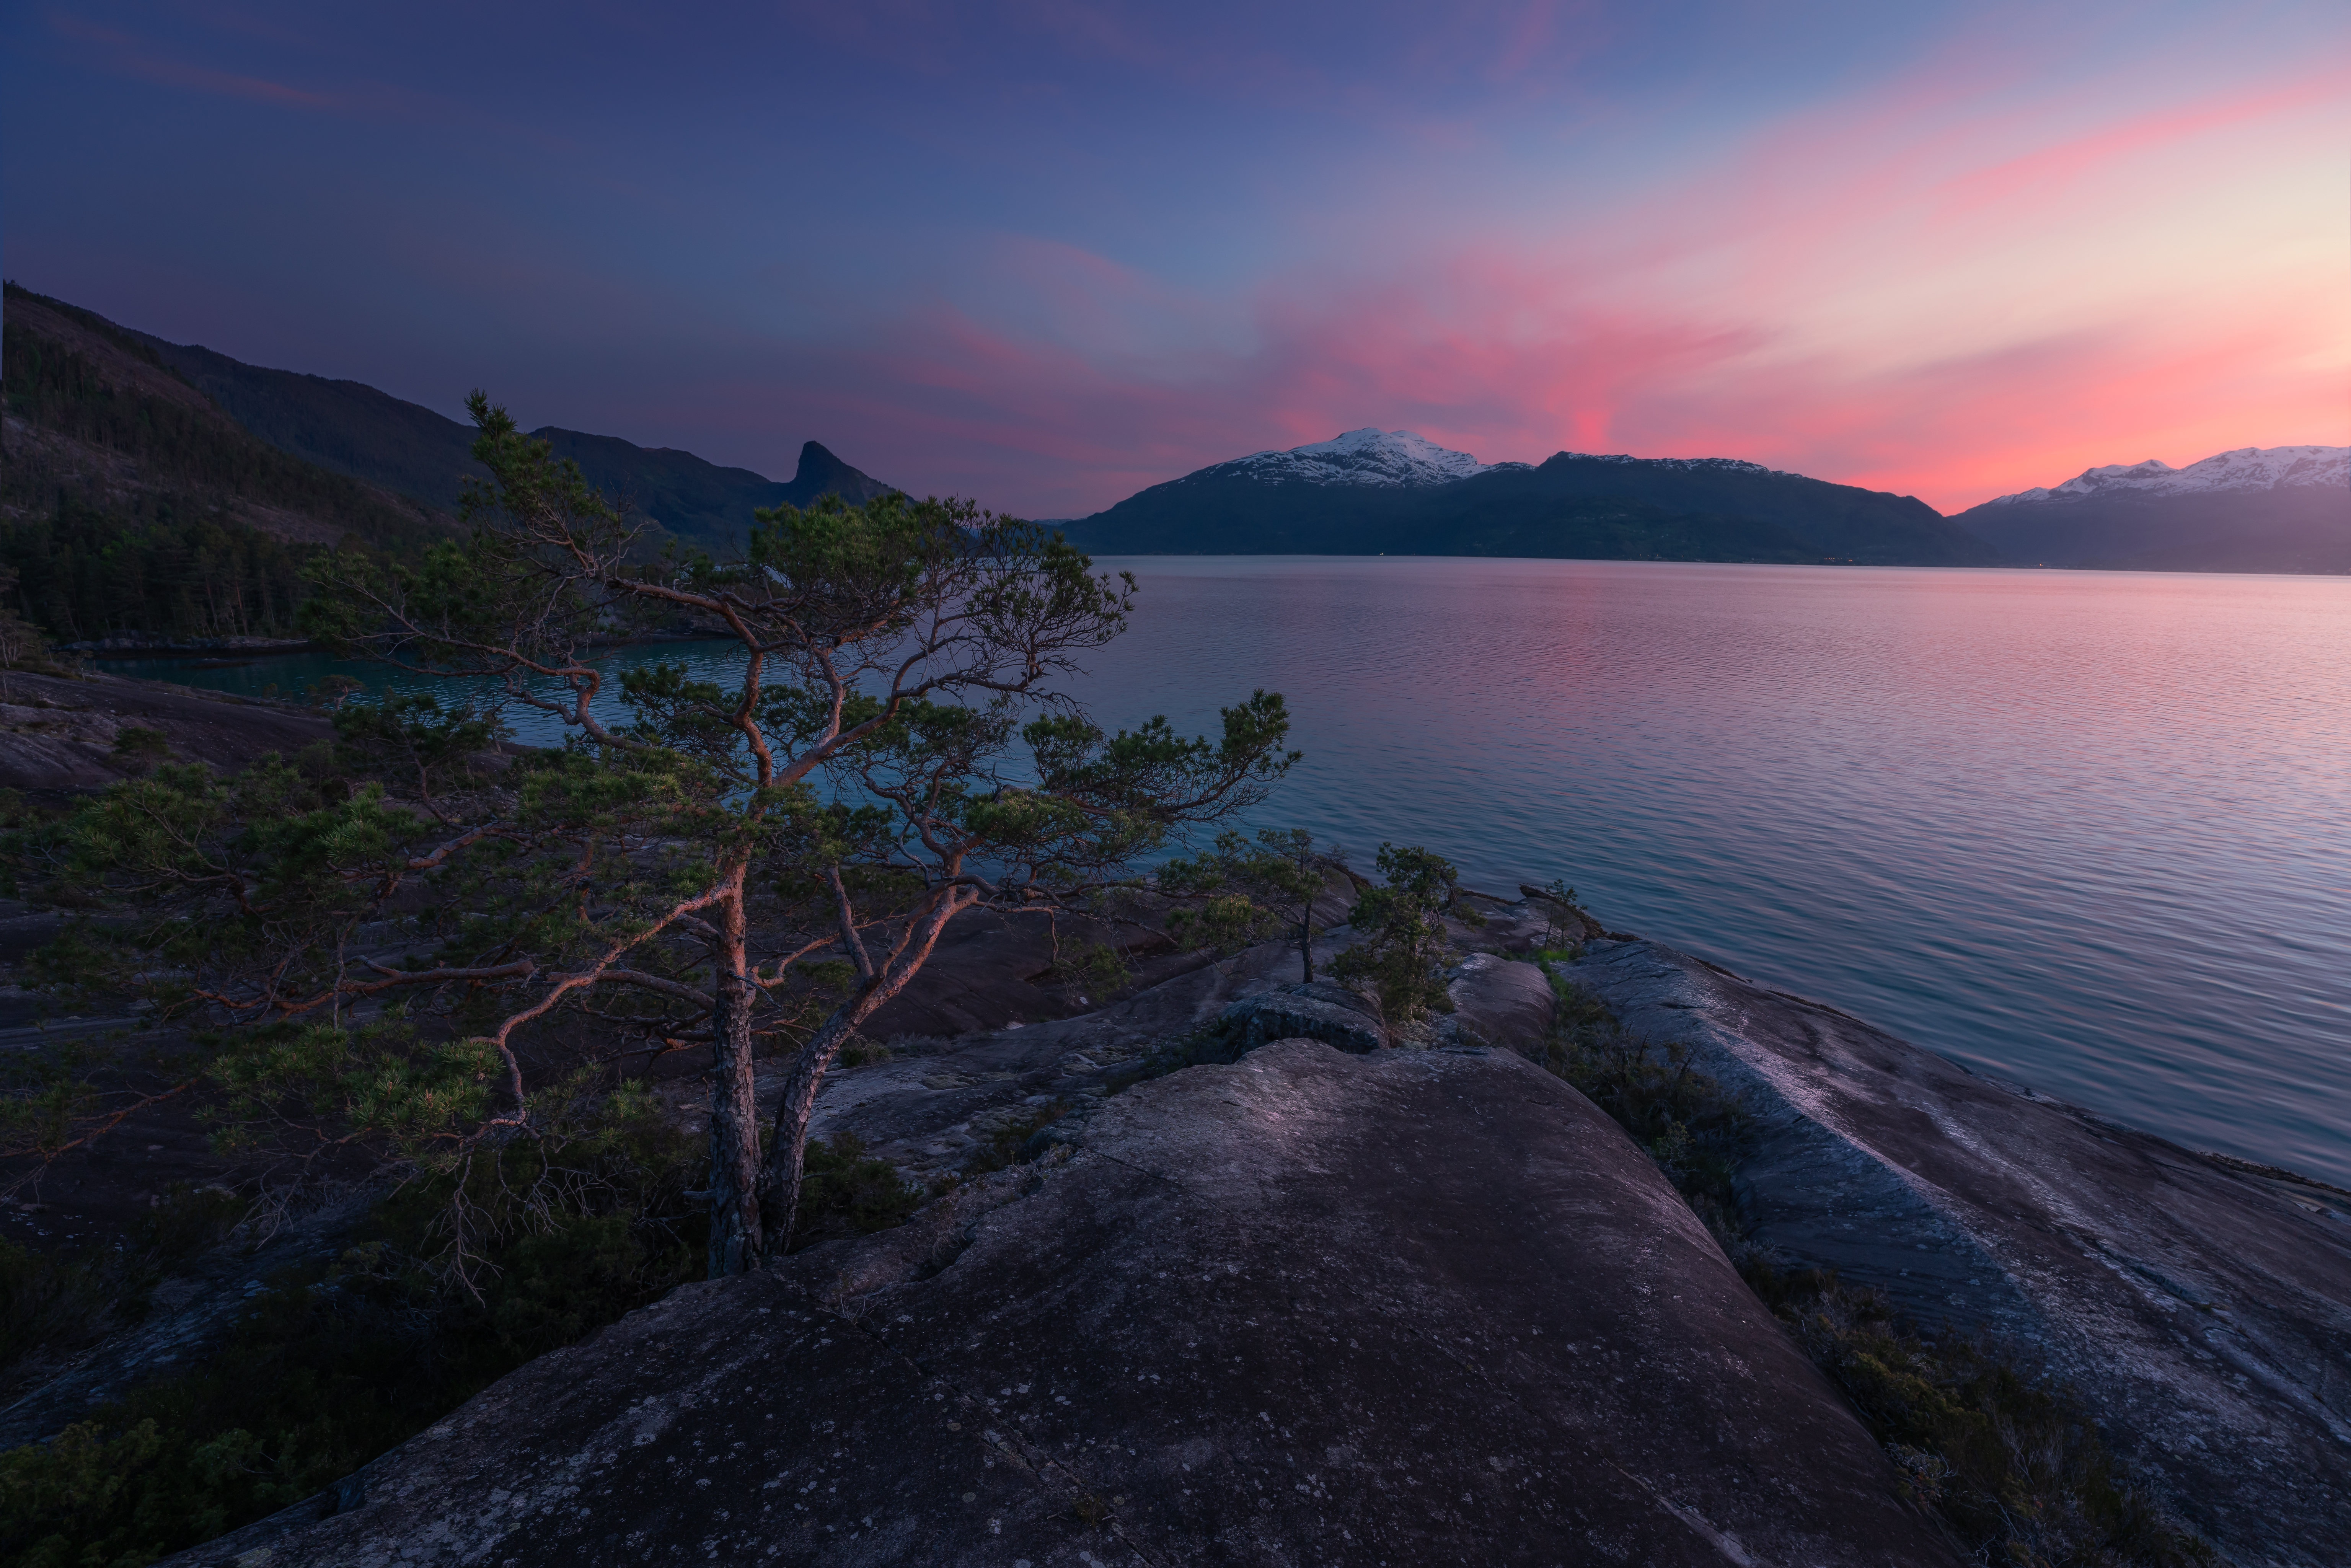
(735, 1233)
(780, 1188)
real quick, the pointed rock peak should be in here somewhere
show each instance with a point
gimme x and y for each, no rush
(817, 461)
(822, 474)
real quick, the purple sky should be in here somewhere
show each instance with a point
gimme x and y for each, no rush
(1046, 254)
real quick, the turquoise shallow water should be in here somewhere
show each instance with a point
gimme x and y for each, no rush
(2089, 831)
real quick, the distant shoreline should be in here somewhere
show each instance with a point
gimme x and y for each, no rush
(1657, 560)
(271, 647)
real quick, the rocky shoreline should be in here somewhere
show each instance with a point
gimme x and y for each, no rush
(141, 647)
(1270, 1280)
(1347, 1298)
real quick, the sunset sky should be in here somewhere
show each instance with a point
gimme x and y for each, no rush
(1046, 254)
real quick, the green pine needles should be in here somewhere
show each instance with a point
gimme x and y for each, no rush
(416, 949)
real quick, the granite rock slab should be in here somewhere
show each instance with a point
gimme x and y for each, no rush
(2202, 1306)
(1419, 1307)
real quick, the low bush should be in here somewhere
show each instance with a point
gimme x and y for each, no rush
(1403, 943)
(1689, 1124)
(845, 1191)
(2010, 1463)
(1008, 1143)
(334, 1363)
(51, 1301)
(138, 747)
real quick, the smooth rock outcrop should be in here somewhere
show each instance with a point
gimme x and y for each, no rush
(1419, 1307)
(58, 733)
(1497, 1001)
(2202, 1307)
(1310, 1010)
(937, 1101)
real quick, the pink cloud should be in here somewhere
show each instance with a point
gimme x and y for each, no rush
(1884, 290)
(942, 402)
(2046, 169)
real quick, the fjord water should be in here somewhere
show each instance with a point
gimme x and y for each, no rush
(2090, 832)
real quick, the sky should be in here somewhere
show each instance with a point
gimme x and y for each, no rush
(1046, 252)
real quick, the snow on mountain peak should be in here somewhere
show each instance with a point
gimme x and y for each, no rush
(1403, 458)
(1688, 465)
(2246, 468)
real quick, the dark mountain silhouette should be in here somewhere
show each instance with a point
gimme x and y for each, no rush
(355, 429)
(155, 489)
(132, 504)
(1393, 493)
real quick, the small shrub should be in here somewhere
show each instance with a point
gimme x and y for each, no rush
(333, 1363)
(1243, 891)
(16, 811)
(139, 749)
(861, 1052)
(47, 1301)
(57, 1301)
(1008, 1145)
(845, 1191)
(1560, 939)
(1093, 968)
(1402, 938)
(1688, 1123)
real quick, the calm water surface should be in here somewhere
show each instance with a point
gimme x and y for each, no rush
(2090, 831)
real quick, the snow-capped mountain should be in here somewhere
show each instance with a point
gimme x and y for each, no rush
(1399, 458)
(2247, 468)
(1395, 491)
(2278, 509)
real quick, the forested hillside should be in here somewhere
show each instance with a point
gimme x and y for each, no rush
(130, 505)
(354, 428)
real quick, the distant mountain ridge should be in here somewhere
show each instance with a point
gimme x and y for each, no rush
(1395, 492)
(355, 429)
(2280, 509)
(2246, 468)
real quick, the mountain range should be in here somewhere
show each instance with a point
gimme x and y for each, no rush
(353, 428)
(107, 423)
(1395, 492)
(2283, 509)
